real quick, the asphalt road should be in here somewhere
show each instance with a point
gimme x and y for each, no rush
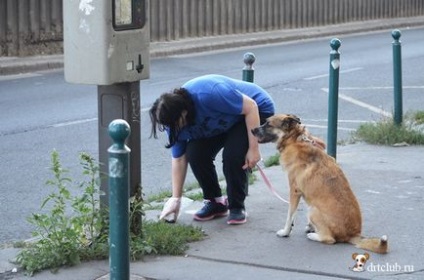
(40, 112)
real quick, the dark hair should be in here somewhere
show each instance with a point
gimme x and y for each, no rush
(166, 112)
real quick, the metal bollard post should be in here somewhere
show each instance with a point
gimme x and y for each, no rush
(333, 98)
(397, 77)
(119, 263)
(248, 76)
(248, 71)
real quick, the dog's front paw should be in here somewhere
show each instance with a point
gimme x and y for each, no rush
(283, 232)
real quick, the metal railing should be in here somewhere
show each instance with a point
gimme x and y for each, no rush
(29, 27)
(175, 19)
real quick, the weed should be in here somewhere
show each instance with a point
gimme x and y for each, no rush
(197, 196)
(386, 132)
(418, 117)
(159, 197)
(272, 160)
(171, 239)
(65, 239)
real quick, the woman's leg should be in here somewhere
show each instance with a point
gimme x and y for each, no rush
(233, 157)
(201, 155)
(234, 154)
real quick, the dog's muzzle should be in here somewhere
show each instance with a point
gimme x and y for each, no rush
(261, 134)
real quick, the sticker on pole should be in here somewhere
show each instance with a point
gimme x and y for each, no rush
(335, 63)
(116, 168)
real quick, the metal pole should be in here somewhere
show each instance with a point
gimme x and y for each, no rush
(333, 97)
(120, 101)
(119, 181)
(397, 77)
(248, 76)
(248, 70)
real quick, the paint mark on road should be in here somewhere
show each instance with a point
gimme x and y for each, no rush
(326, 75)
(325, 127)
(362, 104)
(73, 122)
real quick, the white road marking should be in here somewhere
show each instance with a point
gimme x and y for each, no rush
(341, 121)
(379, 88)
(73, 122)
(361, 104)
(365, 105)
(19, 76)
(325, 127)
(326, 75)
(372, 191)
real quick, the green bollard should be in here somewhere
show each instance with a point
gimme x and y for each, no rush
(397, 77)
(248, 71)
(119, 255)
(248, 75)
(333, 98)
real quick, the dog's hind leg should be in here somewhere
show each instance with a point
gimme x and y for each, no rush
(320, 237)
(294, 203)
(322, 232)
(310, 228)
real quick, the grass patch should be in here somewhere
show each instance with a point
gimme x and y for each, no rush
(272, 160)
(170, 239)
(386, 132)
(198, 196)
(191, 186)
(67, 240)
(160, 197)
(418, 117)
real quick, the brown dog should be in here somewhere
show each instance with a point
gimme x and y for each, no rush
(334, 214)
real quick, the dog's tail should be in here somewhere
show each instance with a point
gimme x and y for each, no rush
(376, 245)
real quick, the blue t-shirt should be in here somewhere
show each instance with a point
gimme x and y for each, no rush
(218, 103)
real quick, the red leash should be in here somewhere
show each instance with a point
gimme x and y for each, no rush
(270, 187)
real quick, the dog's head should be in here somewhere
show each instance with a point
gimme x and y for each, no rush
(360, 261)
(275, 128)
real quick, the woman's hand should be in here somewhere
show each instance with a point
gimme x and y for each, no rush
(171, 209)
(253, 156)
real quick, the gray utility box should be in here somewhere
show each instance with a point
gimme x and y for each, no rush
(106, 41)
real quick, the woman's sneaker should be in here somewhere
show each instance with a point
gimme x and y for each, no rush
(237, 217)
(210, 210)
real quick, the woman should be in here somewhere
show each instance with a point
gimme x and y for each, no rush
(205, 115)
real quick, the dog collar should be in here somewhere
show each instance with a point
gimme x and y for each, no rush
(304, 138)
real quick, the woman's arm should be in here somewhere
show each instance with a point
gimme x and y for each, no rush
(179, 172)
(171, 209)
(251, 113)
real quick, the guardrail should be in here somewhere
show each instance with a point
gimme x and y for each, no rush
(29, 27)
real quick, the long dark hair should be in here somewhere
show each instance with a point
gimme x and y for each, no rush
(167, 111)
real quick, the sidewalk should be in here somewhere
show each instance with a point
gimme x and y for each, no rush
(389, 185)
(18, 65)
(388, 182)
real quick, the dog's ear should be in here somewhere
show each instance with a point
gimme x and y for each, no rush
(367, 256)
(354, 255)
(290, 121)
(295, 118)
